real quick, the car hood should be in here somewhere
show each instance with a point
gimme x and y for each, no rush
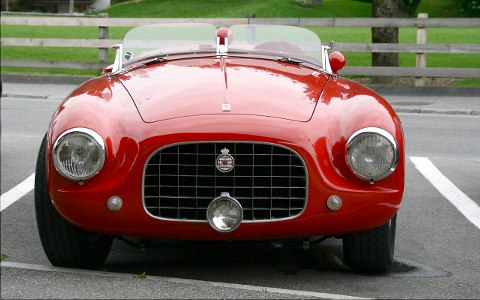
(219, 86)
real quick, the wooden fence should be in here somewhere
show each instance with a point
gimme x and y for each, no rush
(103, 42)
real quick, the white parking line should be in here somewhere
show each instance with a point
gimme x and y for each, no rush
(179, 280)
(17, 192)
(462, 202)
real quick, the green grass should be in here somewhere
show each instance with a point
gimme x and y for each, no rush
(264, 9)
(50, 53)
(60, 32)
(17, 70)
(141, 276)
(239, 8)
(470, 82)
(439, 8)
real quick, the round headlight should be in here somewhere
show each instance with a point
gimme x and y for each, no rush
(79, 153)
(372, 153)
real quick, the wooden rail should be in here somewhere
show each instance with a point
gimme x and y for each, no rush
(353, 47)
(302, 22)
(103, 23)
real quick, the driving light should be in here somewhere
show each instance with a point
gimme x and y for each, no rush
(79, 153)
(372, 153)
(334, 202)
(114, 203)
(224, 213)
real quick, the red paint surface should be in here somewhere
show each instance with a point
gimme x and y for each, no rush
(271, 89)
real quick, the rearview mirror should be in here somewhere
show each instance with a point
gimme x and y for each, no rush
(337, 61)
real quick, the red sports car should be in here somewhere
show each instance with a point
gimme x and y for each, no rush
(240, 133)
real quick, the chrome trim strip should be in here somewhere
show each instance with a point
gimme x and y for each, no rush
(81, 131)
(386, 135)
(244, 142)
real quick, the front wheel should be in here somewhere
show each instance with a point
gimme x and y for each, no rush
(65, 244)
(371, 251)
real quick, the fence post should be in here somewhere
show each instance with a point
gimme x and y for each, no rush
(250, 16)
(103, 34)
(421, 61)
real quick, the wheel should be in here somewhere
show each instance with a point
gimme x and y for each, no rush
(64, 244)
(371, 251)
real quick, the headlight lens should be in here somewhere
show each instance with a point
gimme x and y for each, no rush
(79, 153)
(372, 153)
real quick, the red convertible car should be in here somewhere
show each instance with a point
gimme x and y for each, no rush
(240, 133)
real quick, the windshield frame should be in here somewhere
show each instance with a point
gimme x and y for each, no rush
(321, 64)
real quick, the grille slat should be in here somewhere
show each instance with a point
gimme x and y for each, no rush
(269, 181)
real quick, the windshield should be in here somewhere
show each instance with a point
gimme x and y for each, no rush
(285, 41)
(167, 39)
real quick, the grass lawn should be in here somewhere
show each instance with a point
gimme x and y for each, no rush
(91, 73)
(264, 9)
(239, 8)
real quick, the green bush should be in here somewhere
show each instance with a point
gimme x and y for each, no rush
(469, 8)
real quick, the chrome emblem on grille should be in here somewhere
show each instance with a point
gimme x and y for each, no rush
(225, 162)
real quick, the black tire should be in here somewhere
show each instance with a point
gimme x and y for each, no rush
(371, 251)
(64, 244)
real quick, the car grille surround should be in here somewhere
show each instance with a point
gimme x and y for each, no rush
(180, 180)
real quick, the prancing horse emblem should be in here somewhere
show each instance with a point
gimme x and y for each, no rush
(225, 162)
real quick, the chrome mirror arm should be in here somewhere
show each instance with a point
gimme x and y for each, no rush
(117, 64)
(326, 60)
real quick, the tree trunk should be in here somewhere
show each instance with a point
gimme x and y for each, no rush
(385, 9)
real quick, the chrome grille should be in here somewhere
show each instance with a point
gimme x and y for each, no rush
(269, 181)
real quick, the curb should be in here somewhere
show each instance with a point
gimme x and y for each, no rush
(20, 96)
(425, 90)
(438, 111)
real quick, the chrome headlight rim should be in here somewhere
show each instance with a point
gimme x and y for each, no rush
(373, 130)
(80, 131)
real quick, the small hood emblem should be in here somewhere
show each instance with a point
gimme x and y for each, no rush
(226, 107)
(225, 161)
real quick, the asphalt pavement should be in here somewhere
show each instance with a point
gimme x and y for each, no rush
(436, 252)
(404, 99)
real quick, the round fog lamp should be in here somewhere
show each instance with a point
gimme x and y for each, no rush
(224, 213)
(334, 202)
(114, 203)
